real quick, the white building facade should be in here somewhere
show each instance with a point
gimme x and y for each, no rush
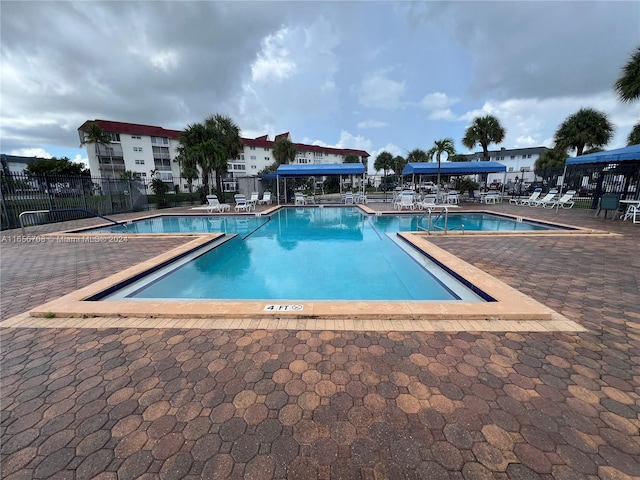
(520, 163)
(142, 149)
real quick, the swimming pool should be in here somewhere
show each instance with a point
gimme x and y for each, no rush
(388, 223)
(331, 253)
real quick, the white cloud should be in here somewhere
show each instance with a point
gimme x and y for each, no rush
(80, 159)
(31, 152)
(372, 124)
(437, 101)
(379, 91)
(273, 62)
(166, 60)
(533, 121)
(445, 114)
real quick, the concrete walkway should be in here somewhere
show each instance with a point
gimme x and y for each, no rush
(124, 403)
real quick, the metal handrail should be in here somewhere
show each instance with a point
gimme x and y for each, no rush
(33, 212)
(431, 223)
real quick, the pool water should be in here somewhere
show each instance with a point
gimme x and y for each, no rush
(331, 253)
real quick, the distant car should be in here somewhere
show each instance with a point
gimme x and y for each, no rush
(388, 186)
(495, 186)
(533, 185)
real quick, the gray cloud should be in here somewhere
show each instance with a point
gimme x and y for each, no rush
(537, 49)
(165, 63)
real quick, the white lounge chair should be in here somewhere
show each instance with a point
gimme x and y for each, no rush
(266, 199)
(562, 202)
(241, 203)
(348, 198)
(214, 205)
(546, 200)
(527, 201)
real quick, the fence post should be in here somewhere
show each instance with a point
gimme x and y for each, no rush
(110, 197)
(130, 195)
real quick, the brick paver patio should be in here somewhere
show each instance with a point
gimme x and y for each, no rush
(175, 403)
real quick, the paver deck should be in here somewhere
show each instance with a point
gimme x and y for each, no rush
(140, 402)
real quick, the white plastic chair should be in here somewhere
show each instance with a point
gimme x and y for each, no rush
(266, 199)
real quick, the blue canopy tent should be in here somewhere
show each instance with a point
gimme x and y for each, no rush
(315, 170)
(453, 168)
(625, 158)
(618, 155)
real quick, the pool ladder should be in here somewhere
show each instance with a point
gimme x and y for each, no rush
(431, 220)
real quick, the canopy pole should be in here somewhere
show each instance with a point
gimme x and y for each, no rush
(278, 188)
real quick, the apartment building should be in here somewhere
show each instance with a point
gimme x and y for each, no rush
(145, 148)
(520, 163)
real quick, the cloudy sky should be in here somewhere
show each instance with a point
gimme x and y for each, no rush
(370, 75)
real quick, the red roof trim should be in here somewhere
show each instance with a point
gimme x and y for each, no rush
(132, 129)
(263, 141)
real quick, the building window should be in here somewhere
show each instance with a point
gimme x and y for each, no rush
(252, 148)
(326, 154)
(253, 157)
(160, 140)
(317, 154)
(513, 157)
(267, 159)
(238, 167)
(114, 137)
(253, 167)
(143, 174)
(137, 149)
(136, 137)
(139, 162)
(511, 169)
(266, 149)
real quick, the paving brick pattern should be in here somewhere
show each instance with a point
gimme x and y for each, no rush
(172, 403)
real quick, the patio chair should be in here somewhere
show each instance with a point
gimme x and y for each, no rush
(407, 201)
(491, 197)
(527, 201)
(548, 198)
(266, 199)
(348, 198)
(299, 199)
(453, 198)
(241, 203)
(562, 202)
(254, 197)
(214, 205)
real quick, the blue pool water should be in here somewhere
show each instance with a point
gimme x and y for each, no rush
(244, 225)
(326, 253)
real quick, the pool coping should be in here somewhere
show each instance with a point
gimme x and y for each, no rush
(564, 229)
(510, 305)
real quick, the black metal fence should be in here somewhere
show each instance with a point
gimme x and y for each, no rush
(104, 196)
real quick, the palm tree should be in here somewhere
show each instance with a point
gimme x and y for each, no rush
(484, 131)
(549, 160)
(384, 162)
(398, 165)
(445, 145)
(585, 128)
(192, 138)
(284, 151)
(634, 135)
(225, 134)
(628, 85)
(96, 135)
(418, 155)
